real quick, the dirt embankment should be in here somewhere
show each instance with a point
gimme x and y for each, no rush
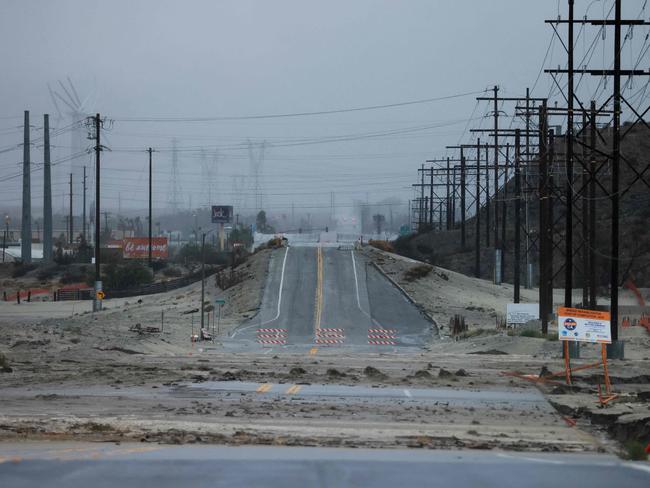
(443, 293)
(49, 332)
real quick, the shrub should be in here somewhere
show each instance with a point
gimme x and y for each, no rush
(73, 275)
(403, 244)
(21, 269)
(172, 272)
(417, 272)
(46, 273)
(382, 245)
(274, 243)
(635, 451)
(158, 265)
(118, 277)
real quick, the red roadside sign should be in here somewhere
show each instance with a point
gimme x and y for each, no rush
(138, 248)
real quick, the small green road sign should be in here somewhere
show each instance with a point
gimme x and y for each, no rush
(220, 301)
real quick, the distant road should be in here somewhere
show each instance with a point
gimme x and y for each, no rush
(312, 287)
(80, 465)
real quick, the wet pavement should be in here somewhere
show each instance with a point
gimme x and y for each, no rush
(72, 465)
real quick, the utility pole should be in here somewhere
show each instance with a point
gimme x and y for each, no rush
(202, 280)
(150, 212)
(497, 244)
(449, 222)
(26, 228)
(462, 199)
(47, 192)
(430, 203)
(487, 195)
(592, 208)
(584, 207)
(616, 161)
(615, 192)
(5, 237)
(529, 277)
(97, 304)
(504, 212)
(568, 239)
(106, 228)
(71, 237)
(453, 197)
(544, 225)
(83, 225)
(421, 212)
(517, 268)
(477, 255)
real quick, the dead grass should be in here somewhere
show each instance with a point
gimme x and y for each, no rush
(417, 272)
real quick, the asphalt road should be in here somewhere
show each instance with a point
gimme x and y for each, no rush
(506, 399)
(334, 291)
(72, 465)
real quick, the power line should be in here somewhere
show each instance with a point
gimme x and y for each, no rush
(297, 114)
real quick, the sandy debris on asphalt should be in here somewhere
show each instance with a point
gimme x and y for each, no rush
(58, 362)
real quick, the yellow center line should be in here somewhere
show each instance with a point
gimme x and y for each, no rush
(293, 390)
(313, 351)
(263, 388)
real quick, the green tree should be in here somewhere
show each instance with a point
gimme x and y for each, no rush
(262, 225)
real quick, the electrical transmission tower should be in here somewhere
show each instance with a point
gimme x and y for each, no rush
(71, 112)
(175, 190)
(256, 161)
(208, 174)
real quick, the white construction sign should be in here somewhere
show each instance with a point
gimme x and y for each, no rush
(578, 325)
(520, 313)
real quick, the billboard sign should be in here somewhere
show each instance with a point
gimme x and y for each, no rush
(578, 325)
(138, 248)
(221, 214)
(520, 313)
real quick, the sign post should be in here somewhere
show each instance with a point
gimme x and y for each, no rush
(574, 326)
(221, 214)
(97, 302)
(520, 313)
(221, 302)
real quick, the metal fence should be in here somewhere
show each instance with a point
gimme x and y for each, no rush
(150, 289)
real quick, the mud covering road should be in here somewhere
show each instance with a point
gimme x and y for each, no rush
(87, 377)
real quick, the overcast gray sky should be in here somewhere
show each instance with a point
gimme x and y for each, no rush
(193, 59)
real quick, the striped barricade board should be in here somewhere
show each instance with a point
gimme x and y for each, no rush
(272, 336)
(329, 337)
(382, 337)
